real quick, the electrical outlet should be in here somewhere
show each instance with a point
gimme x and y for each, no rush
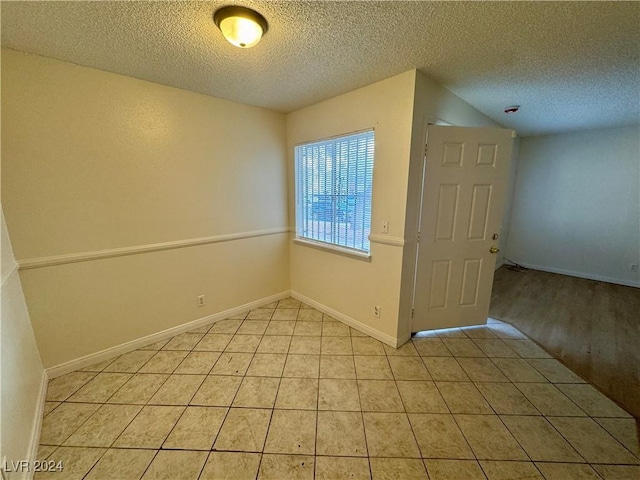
(200, 301)
(633, 267)
(376, 311)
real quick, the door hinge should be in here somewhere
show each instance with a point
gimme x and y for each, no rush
(418, 236)
(412, 312)
(426, 147)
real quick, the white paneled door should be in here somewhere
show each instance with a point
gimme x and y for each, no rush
(463, 199)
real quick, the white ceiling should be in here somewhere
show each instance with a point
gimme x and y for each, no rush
(571, 65)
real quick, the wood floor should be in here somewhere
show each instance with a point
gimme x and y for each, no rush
(593, 327)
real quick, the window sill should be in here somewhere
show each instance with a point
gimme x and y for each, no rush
(333, 248)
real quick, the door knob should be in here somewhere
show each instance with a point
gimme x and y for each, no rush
(494, 249)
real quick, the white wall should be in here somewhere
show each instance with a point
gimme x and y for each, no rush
(576, 208)
(94, 161)
(22, 376)
(508, 203)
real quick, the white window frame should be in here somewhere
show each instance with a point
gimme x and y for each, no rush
(358, 203)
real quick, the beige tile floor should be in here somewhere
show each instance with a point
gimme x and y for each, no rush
(285, 392)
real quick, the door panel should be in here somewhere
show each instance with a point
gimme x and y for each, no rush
(462, 204)
(487, 155)
(479, 212)
(452, 154)
(440, 276)
(470, 282)
(447, 208)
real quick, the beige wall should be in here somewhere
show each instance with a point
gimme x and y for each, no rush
(348, 285)
(576, 208)
(94, 161)
(399, 109)
(22, 372)
(432, 103)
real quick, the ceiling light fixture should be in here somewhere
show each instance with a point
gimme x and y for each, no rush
(512, 109)
(241, 26)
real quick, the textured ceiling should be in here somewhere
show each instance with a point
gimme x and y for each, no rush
(571, 65)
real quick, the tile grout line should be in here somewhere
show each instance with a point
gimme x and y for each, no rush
(158, 450)
(266, 436)
(231, 403)
(616, 438)
(317, 412)
(424, 460)
(404, 407)
(543, 416)
(364, 427)
(148, 404)
(352, 358)
(453, 416)
(186, 406)
(558, 416)
(238, 389)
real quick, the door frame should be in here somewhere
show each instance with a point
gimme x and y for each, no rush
(429, 120)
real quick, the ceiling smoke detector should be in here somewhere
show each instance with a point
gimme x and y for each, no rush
(511, 109)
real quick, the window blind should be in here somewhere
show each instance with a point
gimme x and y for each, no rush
(333, 187)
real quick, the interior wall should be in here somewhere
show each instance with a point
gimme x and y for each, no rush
(506, 216)
(432, 103)
(399, 109)
(349, 285)
(22, 376)
(95, 162)
(576, 208)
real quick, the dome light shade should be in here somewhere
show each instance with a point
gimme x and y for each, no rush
(241, 26)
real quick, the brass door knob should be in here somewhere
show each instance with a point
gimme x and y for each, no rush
(494, 249)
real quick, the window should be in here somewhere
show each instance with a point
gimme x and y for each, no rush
(333, 190)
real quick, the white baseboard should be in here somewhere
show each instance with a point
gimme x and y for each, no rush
(588, 276)
(37, 424)
(111, 352)
(372, 332)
